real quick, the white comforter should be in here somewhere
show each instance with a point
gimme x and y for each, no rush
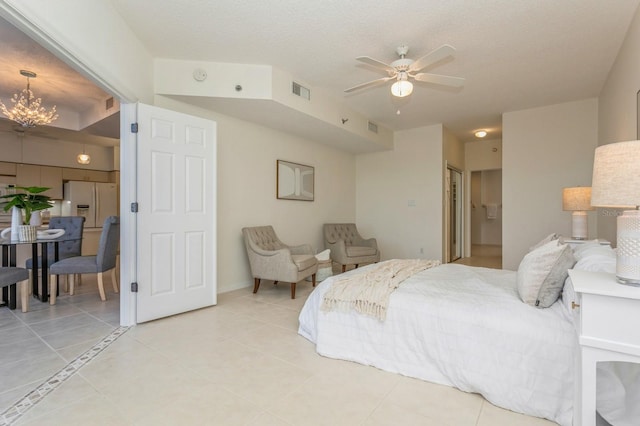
(460, 326)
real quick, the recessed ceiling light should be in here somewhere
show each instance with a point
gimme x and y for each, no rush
(481, 134)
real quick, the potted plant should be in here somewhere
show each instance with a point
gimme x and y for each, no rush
(28, 200)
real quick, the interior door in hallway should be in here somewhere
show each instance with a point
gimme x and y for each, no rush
(176, 220)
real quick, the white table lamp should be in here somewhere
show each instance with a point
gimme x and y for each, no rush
(616, 184)
(577, 200)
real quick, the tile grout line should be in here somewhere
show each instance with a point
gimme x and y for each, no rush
(16, 411)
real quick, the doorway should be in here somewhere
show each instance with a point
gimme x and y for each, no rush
(485, 222)
(454, 209)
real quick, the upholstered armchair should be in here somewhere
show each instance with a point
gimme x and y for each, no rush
(271, 259)
(348, 247)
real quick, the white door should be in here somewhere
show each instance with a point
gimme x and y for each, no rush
(176, 220)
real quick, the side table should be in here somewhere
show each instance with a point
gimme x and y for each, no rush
(607, 331)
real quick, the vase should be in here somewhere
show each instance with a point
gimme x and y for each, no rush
(36, 219)
(16, 221)
(27, 233)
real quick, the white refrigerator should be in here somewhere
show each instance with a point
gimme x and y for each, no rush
(94, 200)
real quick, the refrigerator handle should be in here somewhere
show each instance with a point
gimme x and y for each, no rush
(96, 202)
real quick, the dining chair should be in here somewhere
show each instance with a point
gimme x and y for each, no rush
(9, 276)
(104, 261)
(73, 227)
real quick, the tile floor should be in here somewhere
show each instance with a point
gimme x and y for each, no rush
(36, 344)
(238, 363)
(488, 256)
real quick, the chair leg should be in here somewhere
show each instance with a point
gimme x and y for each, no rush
(114, 280)
(71, 278)
(293, 290)
(101, 287)
(53, 289)
(356, 266)
(275, 282)
(66, 283)
(256, 284)
(344, 268)
(313, 279)
(30, 281)
(24, 295)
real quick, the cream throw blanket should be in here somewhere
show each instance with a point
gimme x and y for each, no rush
(368, 292)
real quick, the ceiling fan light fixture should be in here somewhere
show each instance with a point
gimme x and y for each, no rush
(27, 109)
(402, 87)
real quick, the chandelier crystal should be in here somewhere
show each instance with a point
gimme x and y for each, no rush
(27, 110)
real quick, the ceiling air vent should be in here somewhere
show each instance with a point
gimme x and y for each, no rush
(109, 103)
(373, 127)
(301, 91)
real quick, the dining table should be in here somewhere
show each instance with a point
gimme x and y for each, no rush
(39, 248)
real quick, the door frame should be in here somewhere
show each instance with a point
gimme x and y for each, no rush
(128, 163)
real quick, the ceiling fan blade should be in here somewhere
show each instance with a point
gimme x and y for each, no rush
(368, 84)
(377, 64)
(433, 57)
(446, 80)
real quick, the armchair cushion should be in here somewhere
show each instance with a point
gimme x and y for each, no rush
(304, 261)
(271, 259)
(347, 245)
(355, 251)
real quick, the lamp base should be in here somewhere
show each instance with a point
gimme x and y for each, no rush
(628, 249)
(625, 281)
(579, 225)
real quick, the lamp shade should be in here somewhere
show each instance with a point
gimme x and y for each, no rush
(576, 199)
(616, 184)
(616, 175)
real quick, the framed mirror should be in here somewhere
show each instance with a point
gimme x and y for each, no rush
(294, 181)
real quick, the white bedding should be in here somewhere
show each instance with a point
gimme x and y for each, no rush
(460, 326)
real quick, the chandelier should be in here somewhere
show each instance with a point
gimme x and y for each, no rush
(26, 109)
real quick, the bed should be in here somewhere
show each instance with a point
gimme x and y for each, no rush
(460, 326)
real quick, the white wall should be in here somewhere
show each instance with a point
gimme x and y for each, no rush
(617, 109)
(247, 155)
(399, 195)
(483, 155)
(545, 149)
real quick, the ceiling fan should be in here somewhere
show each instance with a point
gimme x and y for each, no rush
(404, 69)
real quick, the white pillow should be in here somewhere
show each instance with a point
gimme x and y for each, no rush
(542, 272)
(545, 240)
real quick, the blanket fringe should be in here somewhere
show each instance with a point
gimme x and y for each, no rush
(368, 291)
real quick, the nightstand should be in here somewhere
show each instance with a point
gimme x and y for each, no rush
(574, 242)
(607, 331)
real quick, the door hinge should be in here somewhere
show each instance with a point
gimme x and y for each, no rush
(134, 287)
(134, 207)
(134, 127)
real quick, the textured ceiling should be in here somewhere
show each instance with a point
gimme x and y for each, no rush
(513, 54)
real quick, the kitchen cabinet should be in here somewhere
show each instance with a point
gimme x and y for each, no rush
(51, 177)
(7, 169)
(32, 175)
(87, 175)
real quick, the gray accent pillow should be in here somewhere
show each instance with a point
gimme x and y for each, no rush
(542, 273)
